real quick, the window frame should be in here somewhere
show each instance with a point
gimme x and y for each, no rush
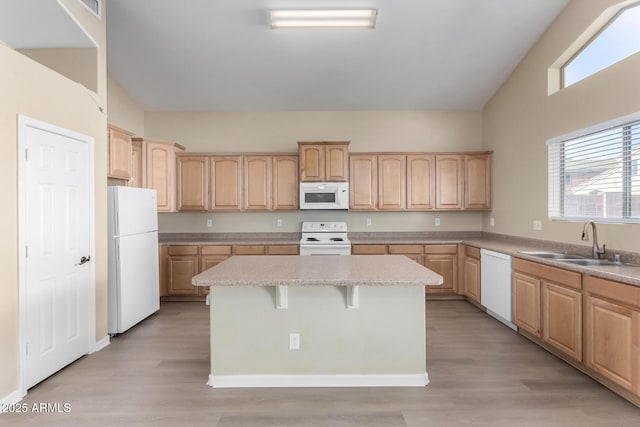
(558, 141)
(99, 13)
(588, 43)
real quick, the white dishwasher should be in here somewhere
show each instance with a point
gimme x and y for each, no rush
(495, 285)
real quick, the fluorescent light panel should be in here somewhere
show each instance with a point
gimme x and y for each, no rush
(339, 18)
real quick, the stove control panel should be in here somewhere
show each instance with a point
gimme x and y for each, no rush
(319, 227)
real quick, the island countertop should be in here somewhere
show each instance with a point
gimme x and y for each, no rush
(327, 270)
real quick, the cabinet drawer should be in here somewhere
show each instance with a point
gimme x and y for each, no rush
(183, 250)
(558, 275)
(405, 249)
(368, 250)
(627, 295)
(441, 249)
(215, 250)
(249, 250)
(283, 250)
(472, 252)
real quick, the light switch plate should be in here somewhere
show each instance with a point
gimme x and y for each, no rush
(537, 225)
(492, 222)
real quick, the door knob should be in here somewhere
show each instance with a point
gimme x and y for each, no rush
(84, 259)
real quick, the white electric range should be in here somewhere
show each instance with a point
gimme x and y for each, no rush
(325, 238)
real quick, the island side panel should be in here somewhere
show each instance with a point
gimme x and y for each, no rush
(384, 336)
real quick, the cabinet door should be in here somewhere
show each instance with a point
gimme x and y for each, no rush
(477, 181)
(257, 183)
(421, 186)
(449, 181)
(472, 279)
(193, 183)
(161, 173)
(392, 185)
(363, 182)
(611, 334)
(119, 154)
(226, 183)
(137, 166)
(312, 163)
(445, 265)
(526, 302)
(285, 183)
(368, 249)
(562, 319)
(163, 270)
(336, 163)
(182, 268)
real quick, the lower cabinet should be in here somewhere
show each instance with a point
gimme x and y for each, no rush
(612, 329)
(443, 259)
(547, 303)
(472, 273)
(185, 261)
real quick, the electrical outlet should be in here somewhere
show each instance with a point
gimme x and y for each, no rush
(537, 225)
(278, 222)
(437, 221)
(294, 341)
(209, 223)
(368, 222)
(492, 222)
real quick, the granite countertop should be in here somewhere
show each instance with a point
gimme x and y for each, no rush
(329, 270)
(229, 238)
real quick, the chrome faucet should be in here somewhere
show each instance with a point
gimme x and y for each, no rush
(596, 251)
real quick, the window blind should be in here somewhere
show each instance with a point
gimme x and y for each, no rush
(596, 176)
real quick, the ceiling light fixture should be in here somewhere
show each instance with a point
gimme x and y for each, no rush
(339, 18)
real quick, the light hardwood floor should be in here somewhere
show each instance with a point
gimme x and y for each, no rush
(481, 373)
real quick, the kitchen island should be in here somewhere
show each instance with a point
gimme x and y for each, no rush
(324, 321)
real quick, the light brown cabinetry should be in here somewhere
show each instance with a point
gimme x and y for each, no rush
(160, 171)
(285, 183)
(226, 183)
(526, 302)
(119, 153)
(392, 186)
(257, 183)
(547, 303)
(249, 250)
(368, 249)
(477, 181)
(283, 250)
(421, 183)
(471, 268)
(443, 259)
(193, 183)
(449, 181)
(612, 331)
(183, 265)
(138, 177)
(210, 256)
(363, 181)
(324, 161)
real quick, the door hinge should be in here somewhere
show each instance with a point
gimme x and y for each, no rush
(26, 251)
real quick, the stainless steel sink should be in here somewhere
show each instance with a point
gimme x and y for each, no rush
(553, 255)
(593, 262)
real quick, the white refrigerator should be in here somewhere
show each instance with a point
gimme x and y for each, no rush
(133, 257)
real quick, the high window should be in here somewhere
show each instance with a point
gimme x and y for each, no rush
(618, 40)
(93, 5)
(594, 175)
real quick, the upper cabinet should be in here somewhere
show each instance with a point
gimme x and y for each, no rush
(138, 176)
(449, 181)
(193, 183)
(226, 183)
(284, 194)
(119, 153)
(363, 182)
(421, 182)
(257, 182)
(392, 185)
(159, 170)
(477, 181)
(324, 161)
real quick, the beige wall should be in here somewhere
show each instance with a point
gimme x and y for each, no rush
(32, 89)
(280, 131)
(521, 117)
(80, 65)
(123, 111)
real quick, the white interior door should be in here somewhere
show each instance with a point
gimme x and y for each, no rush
(57, 234)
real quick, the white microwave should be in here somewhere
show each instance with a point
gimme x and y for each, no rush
(324, 195)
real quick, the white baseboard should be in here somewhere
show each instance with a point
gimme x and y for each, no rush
(10, 399)
(244, 381)
(99, 345)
